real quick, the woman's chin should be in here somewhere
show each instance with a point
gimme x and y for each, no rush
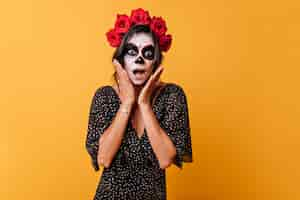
(138, 82)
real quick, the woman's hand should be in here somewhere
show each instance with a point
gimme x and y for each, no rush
(126, 89)
(152, 83)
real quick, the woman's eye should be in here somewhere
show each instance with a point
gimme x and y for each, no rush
(131, 52)
(148, 53)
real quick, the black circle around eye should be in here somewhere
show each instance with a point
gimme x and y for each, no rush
(148, 52)
(131, 49)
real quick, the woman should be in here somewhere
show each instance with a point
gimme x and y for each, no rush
(138, 126)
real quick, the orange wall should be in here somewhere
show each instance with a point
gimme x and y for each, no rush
(237, 60)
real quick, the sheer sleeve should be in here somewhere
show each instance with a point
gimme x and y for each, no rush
(99, 119)
(176, 124)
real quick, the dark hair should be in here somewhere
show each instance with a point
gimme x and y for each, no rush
(119, 52)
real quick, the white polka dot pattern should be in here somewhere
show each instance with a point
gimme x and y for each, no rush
(134, 172)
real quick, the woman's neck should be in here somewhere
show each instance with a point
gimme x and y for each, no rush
(137, 90)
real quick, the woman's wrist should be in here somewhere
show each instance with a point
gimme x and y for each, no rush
(125, 107)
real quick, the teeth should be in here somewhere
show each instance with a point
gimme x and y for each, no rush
(138, 70)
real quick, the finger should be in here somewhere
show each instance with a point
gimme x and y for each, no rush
(157, 74)
(157, 80)
(149, 81)
(118, 78)
(120, 71)
(160, 70)
(157, 71)
(124, 73)
(117, 65)
(117, 74)
(152, 83)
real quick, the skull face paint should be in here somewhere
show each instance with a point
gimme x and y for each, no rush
(139, 57)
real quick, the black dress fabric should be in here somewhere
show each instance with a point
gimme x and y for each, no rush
(134, 173)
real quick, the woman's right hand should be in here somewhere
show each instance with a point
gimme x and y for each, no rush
(126, 89)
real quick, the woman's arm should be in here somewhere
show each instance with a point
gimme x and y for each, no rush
(111, 139)
(162, 145)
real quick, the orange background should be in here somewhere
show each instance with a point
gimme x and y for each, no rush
(238, 62)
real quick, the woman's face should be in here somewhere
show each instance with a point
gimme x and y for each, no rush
(139, 58)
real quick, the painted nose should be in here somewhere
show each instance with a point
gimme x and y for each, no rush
(139, 60)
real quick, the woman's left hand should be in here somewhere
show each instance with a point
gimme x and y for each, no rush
(145, 94)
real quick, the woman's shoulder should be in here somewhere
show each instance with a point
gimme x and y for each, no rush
(174, 88)
(174, 93)
(104, 91)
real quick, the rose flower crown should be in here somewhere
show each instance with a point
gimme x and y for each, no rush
(139, 16)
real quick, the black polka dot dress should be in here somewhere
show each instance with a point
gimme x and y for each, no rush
(134, 173)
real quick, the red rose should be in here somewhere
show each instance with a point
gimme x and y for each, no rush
(113, 38)
(140, 16)
(158, 26)
(122, 23)
(165, 42)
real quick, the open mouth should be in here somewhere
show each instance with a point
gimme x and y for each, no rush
(139, 73)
